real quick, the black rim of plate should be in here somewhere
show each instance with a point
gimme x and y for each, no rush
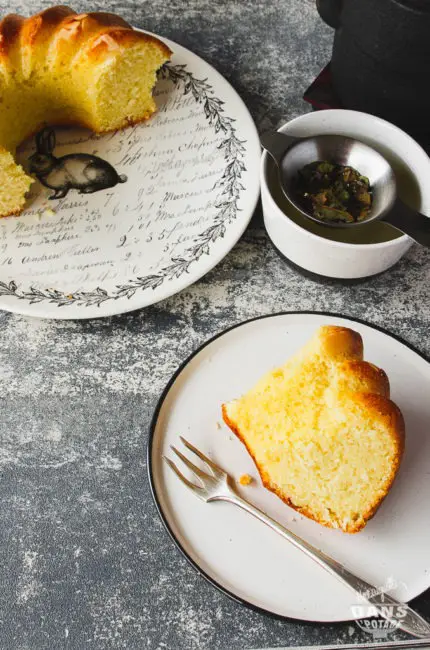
(154, 421)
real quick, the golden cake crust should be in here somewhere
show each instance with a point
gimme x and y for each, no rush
(368, 389)
(64, 26)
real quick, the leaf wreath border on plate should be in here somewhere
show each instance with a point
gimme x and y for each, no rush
(229, 185)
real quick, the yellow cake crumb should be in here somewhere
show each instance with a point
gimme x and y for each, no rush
(245, 479)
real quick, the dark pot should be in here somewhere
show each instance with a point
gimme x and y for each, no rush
(381, 58)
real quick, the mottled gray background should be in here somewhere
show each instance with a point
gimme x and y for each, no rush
(84, 559)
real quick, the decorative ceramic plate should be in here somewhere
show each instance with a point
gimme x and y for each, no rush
(237, 553)
(144, 212)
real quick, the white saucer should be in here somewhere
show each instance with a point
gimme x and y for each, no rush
(238, 554)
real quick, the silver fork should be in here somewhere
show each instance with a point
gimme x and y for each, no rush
(217, 485)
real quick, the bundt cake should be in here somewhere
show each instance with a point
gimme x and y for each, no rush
(59, 67)
(322, 431)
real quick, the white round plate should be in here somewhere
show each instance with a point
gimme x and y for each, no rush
(240, 555)
(183, 188)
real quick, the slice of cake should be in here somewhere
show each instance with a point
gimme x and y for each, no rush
(14, 184)
(322, 431)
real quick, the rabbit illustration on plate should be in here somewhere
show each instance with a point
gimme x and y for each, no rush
(76, 171)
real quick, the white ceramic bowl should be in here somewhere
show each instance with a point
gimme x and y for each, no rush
(346, 253)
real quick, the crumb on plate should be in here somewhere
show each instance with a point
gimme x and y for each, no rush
(245, 479)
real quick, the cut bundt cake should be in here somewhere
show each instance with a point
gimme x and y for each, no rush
(322, 431)
(59, 67)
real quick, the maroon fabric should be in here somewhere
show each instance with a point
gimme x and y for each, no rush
(321, 96)
(321, 93)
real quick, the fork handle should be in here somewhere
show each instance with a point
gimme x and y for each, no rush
(411, 622)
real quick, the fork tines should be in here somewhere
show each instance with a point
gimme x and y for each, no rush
(205, 479)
